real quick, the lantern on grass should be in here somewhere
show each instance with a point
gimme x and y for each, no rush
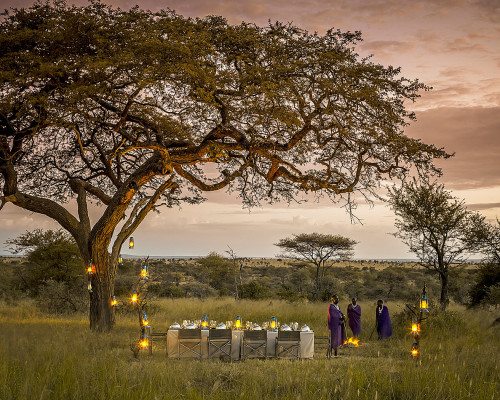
(204, 322)
(144, 320)
(424, 303)
(237, 323)
(144, 342)
(134, 297)
(144, 272)
(131, 243)
(273, 323)
(114, 302)
(120, 261)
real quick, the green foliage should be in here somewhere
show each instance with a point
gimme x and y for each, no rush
(487, 286)
(216, 271)
(253, 290)
(53, 271)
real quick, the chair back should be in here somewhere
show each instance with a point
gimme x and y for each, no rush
(254, 336)
(189, 334)
(220, 334)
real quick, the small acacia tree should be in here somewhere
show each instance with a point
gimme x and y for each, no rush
(135, 109)
(435, 225)
(317, 248)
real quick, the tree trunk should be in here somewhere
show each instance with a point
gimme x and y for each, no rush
(101, 313)
(444, 290)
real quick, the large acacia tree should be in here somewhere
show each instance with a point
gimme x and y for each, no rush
(134, 109)
(436, 226)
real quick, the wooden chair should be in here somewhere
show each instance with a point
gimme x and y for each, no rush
(219, 343)
(254, 344)
(288, 344)
(323, 341)
(189, 341)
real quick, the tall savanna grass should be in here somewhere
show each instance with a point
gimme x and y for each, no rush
(45, 357)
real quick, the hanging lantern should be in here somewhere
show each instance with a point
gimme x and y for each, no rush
(144, 342)
(120, 261)
(424, 303)
(145, 321)
(273, 323)
(415, 327)
(134, 297)
(114, 302)
(414, 350)
(91, 269)
(204, 322)
(144, 272)
(237, 323)
(131, 243)
(89, 286)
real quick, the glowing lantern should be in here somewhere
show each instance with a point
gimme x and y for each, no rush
(131, 243)
(204, 322)
(89, 287)
(273, 323)
(144, 272)
(145, 321)
(120, 261)
(91, 269)
(114, 302)
(424, 303)
(134, 297)
(415, 327)
(144, 342)
(414, 350)
(237, 323)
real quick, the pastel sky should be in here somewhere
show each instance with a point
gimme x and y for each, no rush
(451, 45)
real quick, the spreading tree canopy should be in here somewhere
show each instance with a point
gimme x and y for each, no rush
(436, 226)
(135, 109)
(317, 248)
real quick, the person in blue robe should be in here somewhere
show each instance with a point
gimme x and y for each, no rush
(336, 325)
(383, 321)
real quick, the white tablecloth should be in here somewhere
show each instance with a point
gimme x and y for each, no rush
(306, 344)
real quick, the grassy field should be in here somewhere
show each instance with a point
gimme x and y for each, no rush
(46, 357)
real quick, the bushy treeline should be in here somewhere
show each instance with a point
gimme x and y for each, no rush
(216, 276)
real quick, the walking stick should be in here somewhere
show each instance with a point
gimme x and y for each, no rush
(372, 332)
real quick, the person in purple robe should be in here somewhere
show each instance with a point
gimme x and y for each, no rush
(336, 325)
(354, 315)
(383, 321)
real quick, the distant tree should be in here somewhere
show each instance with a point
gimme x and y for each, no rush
(486, 238)
(317, 248)
(216, 271)
(134, 109)
(435, 226)
(52, 260)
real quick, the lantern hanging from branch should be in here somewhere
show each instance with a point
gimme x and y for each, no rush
(415, 327)
(273, 323)
(134, 297)
(237, 323)
(89, 286)
(114, 302)
(144, 342)
(91, 269)
(145, 321)
(120, 261)
(424, 303)
(144, 272)
(414, 350)
(204, 322)
(131, 243)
